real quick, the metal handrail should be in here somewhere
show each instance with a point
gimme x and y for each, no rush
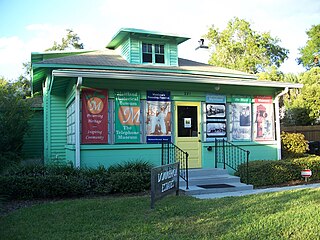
(171, 153)
(231, 155)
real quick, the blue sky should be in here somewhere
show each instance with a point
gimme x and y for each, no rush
(33, 25)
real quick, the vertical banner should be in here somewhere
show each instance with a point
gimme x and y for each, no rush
(158, 115)
(215, 117)
(263, 126)
(127, 114)
(94, 116)
(240, 118)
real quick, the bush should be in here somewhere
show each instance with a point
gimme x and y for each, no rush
(265, 173)
(293, 144)
(28, 182)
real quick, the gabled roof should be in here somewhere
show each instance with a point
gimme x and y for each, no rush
(105, 62)
(124, 33)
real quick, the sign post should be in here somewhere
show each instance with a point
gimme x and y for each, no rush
(164, 180)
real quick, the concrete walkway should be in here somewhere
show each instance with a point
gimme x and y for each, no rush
(255, 191)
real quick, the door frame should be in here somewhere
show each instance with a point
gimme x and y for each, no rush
(176, 122)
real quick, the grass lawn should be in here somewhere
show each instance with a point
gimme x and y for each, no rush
(280, 215)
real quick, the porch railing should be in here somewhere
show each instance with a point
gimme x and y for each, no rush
(171, 154)
(232, 156)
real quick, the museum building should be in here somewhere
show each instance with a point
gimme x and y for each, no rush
(118, 104)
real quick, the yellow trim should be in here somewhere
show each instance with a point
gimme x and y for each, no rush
(192, 145)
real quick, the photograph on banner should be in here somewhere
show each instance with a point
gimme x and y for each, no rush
(127, 122)
(215, 110)
(263, 118)
(94, 116)
(158, 115)
(240, 118)
(216, 129)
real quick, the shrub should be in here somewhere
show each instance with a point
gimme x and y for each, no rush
(264, 173)
(293, 144)
(27, 182)
(130, 177)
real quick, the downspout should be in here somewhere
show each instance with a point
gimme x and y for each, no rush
(77, 121)
(277, 109)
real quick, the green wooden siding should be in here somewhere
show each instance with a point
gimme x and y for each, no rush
(173, 54)
(125, 50)
(33, 139)
(135, 51)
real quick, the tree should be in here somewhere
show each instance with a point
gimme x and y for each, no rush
(310, 54)
(239, 47)
(70, 41)
(304, 106)
(271, 73)
(14, 116)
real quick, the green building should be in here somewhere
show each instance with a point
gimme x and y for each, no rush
(118, 104)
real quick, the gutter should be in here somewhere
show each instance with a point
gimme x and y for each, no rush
(187, 78)
(77, 122)
(277, 112)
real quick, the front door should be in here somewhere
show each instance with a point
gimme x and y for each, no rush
(187, 134)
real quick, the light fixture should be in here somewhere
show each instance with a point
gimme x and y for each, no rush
(217, 87)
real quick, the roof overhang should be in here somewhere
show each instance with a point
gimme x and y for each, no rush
(172, 77)
(124, 33)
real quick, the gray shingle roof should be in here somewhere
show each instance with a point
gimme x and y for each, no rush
(111, 58)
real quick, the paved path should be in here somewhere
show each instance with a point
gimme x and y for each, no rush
(255, 191)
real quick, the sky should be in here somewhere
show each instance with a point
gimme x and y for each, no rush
(33, 25)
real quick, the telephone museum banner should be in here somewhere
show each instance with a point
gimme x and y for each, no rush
(127, 119)
(158, 115)
(94, 116)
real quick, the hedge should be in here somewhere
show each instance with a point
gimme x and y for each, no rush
(273, 172)
(34, 182)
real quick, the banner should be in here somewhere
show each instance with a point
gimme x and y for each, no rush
(240, 118)
(158, 115)
(127, 122)
(263, 125)
(94, 116)
(215, 117)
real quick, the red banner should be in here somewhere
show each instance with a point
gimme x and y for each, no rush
(94, 116)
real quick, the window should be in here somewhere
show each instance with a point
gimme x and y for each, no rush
(152, 53)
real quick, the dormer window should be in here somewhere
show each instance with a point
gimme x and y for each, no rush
(152, 53)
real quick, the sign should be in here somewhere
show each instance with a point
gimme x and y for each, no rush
(127, 114)
(263, 120)
(164, 180)
(215, 117)
(240, 118)
(94, 116)
(187, 122)
(158, 115)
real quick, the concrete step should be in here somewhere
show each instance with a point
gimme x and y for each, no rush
(196, 190)
(214, 179)
(211, 180)
(206, 172)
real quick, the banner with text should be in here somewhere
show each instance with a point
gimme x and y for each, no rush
(240, 118)
(158, 113)
(127, 122)
(263, 128)
(94, 116)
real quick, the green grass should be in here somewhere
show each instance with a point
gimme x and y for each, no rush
(281, 215)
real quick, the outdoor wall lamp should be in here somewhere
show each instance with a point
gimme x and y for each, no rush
(209, 148)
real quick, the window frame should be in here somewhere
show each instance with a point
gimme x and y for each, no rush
(154, 54)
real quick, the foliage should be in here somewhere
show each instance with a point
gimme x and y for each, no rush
(71, 40)
(23, 83)
(14, 115)
(280, 215)
(240, 47)
(310, 53)
(303, 108)
(293, 144)
(271, 73)
(266, 173)
(28, 182)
